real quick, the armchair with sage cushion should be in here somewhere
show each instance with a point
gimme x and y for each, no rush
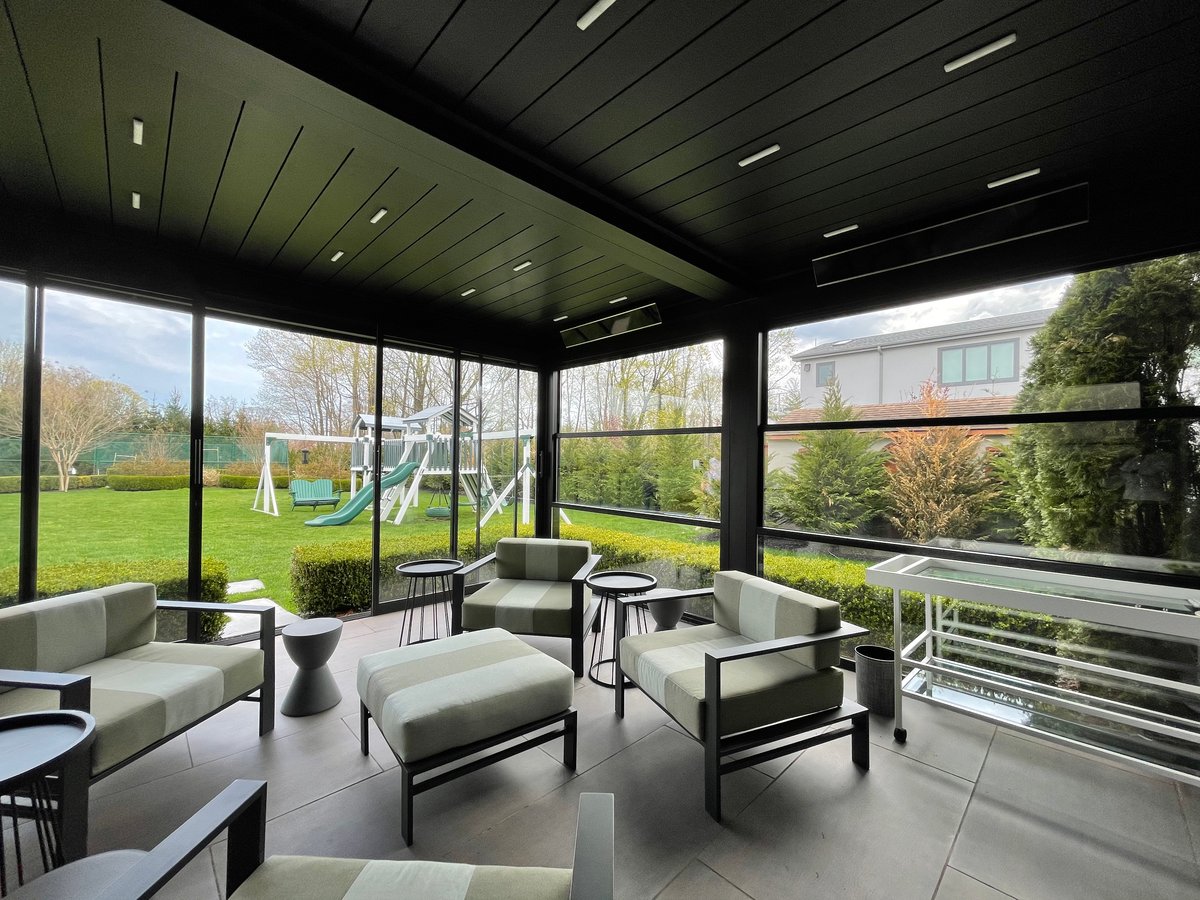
(240, 809)
(770, 655)
(538, 589)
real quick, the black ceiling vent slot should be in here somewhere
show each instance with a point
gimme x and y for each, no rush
(611, 326)
(1024, 218)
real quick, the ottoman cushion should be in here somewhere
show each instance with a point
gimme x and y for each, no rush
(431, 697)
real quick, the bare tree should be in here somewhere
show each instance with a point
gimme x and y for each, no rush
(12, 359)
(78, 409)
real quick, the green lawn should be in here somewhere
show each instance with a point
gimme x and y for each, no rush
(102, 524)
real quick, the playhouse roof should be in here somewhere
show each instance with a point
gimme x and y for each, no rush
(407, 423)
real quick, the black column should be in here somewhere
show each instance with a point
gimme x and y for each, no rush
(31, 437)
(546, 464)
(196, 483)
(741, 449)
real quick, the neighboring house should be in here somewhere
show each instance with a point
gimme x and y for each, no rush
(980, 358)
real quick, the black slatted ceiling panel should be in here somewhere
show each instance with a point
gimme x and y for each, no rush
(341, 14)
(466, 221)
(401, 31)
(574, 273)
(201, 128)
(24, 165)
(557, 257)
(487, 268)
(434, 263)
(65, 80)
(137, 89)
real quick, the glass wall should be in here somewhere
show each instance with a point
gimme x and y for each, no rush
(1055, 420)
(115, 444)
(288, 502)
(12, 374)
(642, 435)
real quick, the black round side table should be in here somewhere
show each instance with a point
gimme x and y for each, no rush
(611, 586)
(421, 575)
(32, 747)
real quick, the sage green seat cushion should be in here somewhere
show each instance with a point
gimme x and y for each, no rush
(431, 697)
(669, 667)
(291, 877)
(143, 694)
(520, 606)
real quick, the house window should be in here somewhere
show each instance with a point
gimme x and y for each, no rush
(977, 363)
(824, 373)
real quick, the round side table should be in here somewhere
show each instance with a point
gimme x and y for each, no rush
(611, 586)
(422, 574)
(310, 643)
(34, 746)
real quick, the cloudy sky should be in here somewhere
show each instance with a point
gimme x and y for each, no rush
(149, 349)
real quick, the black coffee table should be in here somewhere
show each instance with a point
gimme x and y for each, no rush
(610, 586)
(421, 575)
(34, 746)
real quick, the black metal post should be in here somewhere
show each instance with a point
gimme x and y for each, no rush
(741, 450)
(546, 463)
(31, 437)
(377, 471)
(196, 482)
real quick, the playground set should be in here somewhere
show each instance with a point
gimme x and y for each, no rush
(412, 448)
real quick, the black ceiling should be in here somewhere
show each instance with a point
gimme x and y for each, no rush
(496, 133)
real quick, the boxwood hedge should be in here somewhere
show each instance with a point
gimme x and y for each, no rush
(11, 484)
(147, 482)
(249, 482)
(169, 576)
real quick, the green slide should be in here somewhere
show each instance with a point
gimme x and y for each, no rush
(363, 498)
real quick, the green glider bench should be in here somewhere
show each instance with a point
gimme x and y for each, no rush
(314, 493)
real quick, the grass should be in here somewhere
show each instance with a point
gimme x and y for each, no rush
(102, 524)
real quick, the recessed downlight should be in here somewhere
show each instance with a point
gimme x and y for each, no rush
(561, 319)
(838, 231)
(761, 154)
(618, 300)
(1029, 173)
(980, 53)
(337, 256)
(379, 215)
(135, 200)
(467, 293)
(595, 11)
(524, 265)
(139, 130)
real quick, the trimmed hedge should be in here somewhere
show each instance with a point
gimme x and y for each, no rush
(169, 576)
(249, 482)
(11, 484)
(147, 482)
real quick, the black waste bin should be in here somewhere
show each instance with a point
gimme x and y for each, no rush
(875, 678)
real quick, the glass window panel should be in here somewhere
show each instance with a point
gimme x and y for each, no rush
(677, 388)
(1004, 360)
(975, 363)
(824, 373)
(952, 366)
(12, 392)
(262, 381)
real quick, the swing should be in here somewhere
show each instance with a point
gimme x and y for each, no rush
(439, 505)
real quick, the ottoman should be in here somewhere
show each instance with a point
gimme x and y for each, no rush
(444, 700)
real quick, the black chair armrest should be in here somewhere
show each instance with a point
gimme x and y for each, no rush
(202, 606)
(478, 564)
(241, 808)
(593, 560)
(666, 594)
(74, 691)
(762, 648)
(593, 873)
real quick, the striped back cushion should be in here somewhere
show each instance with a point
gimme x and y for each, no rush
(60, 633)
(762, 611)
(540, 559)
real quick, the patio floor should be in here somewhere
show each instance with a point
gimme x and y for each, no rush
(963, 810)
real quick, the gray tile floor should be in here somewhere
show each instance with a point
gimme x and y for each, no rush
(963, 810)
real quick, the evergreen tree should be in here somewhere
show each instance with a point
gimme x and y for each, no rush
(1122, 336)
(836, 480)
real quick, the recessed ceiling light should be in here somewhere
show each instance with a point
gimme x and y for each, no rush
(597, 9)
(379, 215)
(838, 231)
(755, 157)
(561, 319)
(136, 200)
(983, 51)
(524, 265)
(336, 256)
(467, 293)
(618, 300)
(138, 131)
(1011, 178)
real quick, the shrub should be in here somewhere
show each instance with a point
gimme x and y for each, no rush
(169, 576)
(249, 482)
(145, 466)
(147, 482)
(11, 484)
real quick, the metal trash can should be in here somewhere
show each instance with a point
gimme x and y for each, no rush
(875, 678)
